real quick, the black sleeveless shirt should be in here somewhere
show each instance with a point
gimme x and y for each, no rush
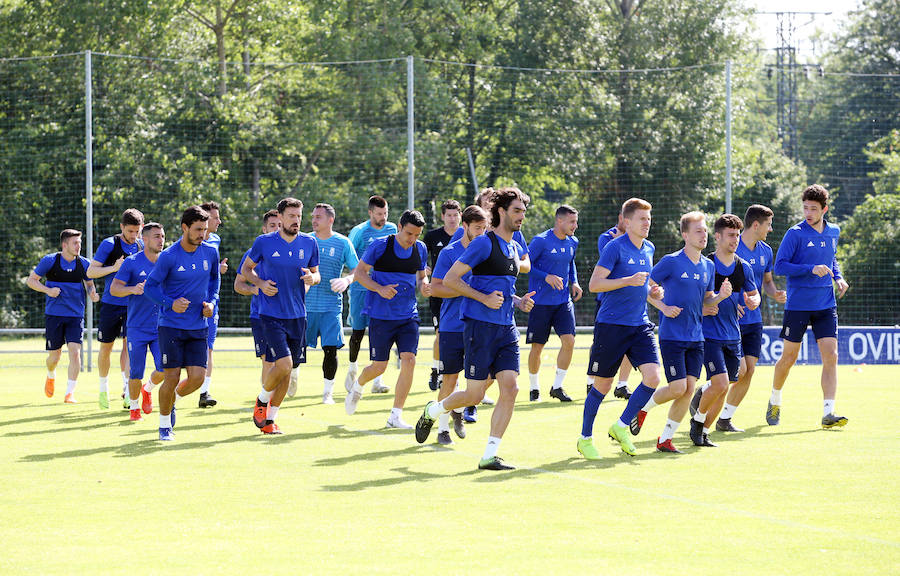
(736, 277)
(390, 262)
(498, 263)
(57, 274)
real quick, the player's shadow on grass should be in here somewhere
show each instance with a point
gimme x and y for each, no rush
(53, 420)
(404, 474)
(756, 430)
(369, 456)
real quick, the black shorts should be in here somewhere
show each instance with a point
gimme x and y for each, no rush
(112, 322)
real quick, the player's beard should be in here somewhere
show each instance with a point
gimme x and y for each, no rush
(291, 231)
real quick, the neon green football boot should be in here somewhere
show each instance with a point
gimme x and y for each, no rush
(587, 449)
(622, 435)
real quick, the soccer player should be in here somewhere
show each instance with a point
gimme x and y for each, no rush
(554, 281)
(474, 222)
(436, 240)
(721, 331)
(66, 283)
(206, 400)
(622, 326)
(361, 236)
(397, 267)
(625, 369)
(271, 223)
(806, 256)
(687, 278)
(291, 260)
(184, 284)
(325, 301)
(491, 337)
(754, 250)
(143, 319)
(113, 311)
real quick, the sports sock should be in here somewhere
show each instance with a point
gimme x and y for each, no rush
(668, 431)
(397, 413)
(354, 367)
(295, 373)
(70, 386)
(377, 381)
(135, 404)
(444, 422)
(271, 412)
(149, 386)
(775, 399)
(205, 388)
(493, 445)
(177, 397)
(591, 404)
(650, 405)
(165, 421)
(327, 386)
(436, 409)
(124, 380)
(637, 401)
(590, 380)
(51, 375)
(560, 376)
(827, 407)
(705, 386)
(622, 384)
(265, 395)
(459, 410)
(700, 417)
(435, 364)
(727, 412)
(533, 379)
(705, 430)
(104, 383)
(357, 387)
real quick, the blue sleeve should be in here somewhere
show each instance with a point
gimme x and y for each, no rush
(353, 237)
(573, 271)
(477, 252)
(769, 259)
(786, 250)
(609, 256)
(661, 271)
(351, 260)
(711, 272)
(85, 262)
(836, 269)
(255, 253)
(103, 250)
(390, 227)
(535, 249)
(212, 289)
(45, 264)
(443, 264)
(124, 273)
(314, 258)
(153, 287)
(520, 240)
(374, 251)
(244, 257)
(423, 254)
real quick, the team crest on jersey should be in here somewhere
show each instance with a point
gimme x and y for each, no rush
(301, 254)
(206, 265)
(472, 370)
(762, 261)
(331, 251)
(834, 243)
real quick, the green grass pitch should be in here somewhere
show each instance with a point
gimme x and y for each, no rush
(84, 491)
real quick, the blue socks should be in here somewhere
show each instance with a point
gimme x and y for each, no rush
(591, 405)
(637, 401)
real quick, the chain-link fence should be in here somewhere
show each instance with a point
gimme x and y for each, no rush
(169, 133)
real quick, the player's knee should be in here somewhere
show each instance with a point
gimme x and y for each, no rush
(651, 380)
(717, 386)
(567, 341)
(678, 388)
(829, 357)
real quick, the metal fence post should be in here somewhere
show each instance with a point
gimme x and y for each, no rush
(728, 137)
(410, 134)
(89, 193)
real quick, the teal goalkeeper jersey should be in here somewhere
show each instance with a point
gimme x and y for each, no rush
(335, 253)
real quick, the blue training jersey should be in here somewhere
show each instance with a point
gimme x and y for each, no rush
(361, 237)
(451, 308)
(70, 302)
(626, 306)
(180, 274)
(550, 255)
(479, 251)
(685, 285)
(602, 241)
(724, 325)
(335, 252)
(283, 262)
(801, 249)
(403, 305)
(517, 237)
(260, 271)
(761, 261)
(215, 241)
(103, 251)
(143, 313)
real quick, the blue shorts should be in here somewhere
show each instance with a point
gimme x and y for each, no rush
(560, 316)
(285, 337)
(112, 322)
(356, 318)
(59, 330)
(751, 339)
(795, 322)
(137, 357)
(383, 334)
(681, 359)
(213, 324)
(182, 348)
(452, 349)
(324, 325)
(490, 349)
(259, 336)
(721, 356)
(612, 342)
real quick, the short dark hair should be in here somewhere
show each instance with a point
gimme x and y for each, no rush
(503, 198)
(270, 214)
(194, 214)
(377, 202)
(474, 213)
(68, 233)
(484, 197)
(132, 217)
(757, 213)
(632, 205)
(727, 221)
(149, 227)
(210, 205)
(413, 217)
(816, 193)
(286, 203)
(328, 208)
(565, 210)
(450, 205)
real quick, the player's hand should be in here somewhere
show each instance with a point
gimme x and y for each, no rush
(494, 300)
(388, 292)
(821, 270)
(208, 309)
(308, 277)
(526, 303)
(118, 263)
(53, 292)
(636, 279)
(725, 289)
(752, 302)
(657, 292)
(554, 281)
(138, 289)
(741, 311)
(223, 266)
(426, 289)
(710, 310)
(339, 285)
(780, 296)
(268, 288)
(577, 292)
(179, 306)
(842, 287)
(671, 311)
(95, 296)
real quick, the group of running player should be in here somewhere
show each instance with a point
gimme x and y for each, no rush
(166, 300)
